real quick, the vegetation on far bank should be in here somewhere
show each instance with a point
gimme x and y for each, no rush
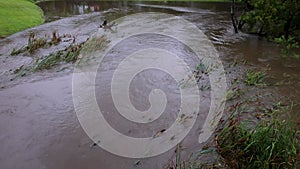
(277, 20)
(17, 15)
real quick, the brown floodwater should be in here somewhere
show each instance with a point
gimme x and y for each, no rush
(38, 123)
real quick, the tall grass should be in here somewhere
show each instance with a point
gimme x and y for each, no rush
(270, 144)
(255, 78)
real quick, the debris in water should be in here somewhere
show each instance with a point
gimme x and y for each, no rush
(94, 144)
(172, 138)
(138, 162)
(183, 118)
(159, 133)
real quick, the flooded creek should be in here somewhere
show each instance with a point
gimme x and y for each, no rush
(38, 123)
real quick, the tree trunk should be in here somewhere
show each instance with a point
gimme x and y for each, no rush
(287, 28)
(233, 18)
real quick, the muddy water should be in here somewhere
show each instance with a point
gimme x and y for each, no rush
(38, 124)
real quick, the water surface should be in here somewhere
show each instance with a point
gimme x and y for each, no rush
(38, 124)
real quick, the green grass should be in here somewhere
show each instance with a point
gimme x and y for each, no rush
(255, 78)
(270, 144)
(288, 45)
(187, 0)
(17, 15)
(163, 0)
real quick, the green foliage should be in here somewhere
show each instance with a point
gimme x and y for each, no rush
(270, 144)
(255, 78)
(33, 1)
(288, 44)
(70, 55)
(48, 62)
(272, 17)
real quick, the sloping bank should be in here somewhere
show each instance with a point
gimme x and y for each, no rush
(17, 15)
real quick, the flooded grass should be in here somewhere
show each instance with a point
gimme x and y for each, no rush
(69, 55)
(48, 62)
(35, 43)
(255, 78)
(271, 143)
(288, 45)
(233, 94)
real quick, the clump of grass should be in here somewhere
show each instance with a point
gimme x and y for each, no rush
(233, 94)
(55, 38)
(48, 62)
(32, 45)
(69, 55)
(270, 144)
(255, 78)
(288, 44)
(35, 43)
(72, 54)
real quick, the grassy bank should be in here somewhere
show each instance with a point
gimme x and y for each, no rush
(17, 15)
(271, 143)
(181, 0)
(155, 0)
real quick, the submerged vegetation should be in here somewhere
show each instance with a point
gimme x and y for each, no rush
(255, 78)
(288, 44)
(69, 54)
(35, 43)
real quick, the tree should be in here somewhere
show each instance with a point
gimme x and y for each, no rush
(272, 18)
